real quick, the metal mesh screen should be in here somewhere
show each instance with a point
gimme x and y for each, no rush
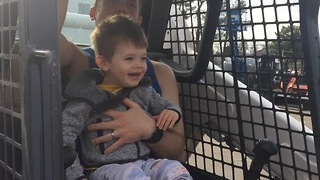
(255, 88)
(10, 109)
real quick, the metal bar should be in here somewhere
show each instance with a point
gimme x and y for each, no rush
(309, 11)
(40, 84)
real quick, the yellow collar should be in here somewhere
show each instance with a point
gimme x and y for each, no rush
(111, 88)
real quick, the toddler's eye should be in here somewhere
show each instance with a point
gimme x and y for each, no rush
(129, 58)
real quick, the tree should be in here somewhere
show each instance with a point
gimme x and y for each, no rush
(288, 42)
(195, 11)
(231, 28)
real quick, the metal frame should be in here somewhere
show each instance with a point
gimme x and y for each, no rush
(32, 91)
(310, 41)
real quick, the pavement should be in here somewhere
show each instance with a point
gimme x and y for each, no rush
(216, 157)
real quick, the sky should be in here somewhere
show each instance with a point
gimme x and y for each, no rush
(264, 13)
(257, 15)
(269, 14)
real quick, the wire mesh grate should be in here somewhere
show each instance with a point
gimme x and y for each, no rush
(10, 102)
(255, 87)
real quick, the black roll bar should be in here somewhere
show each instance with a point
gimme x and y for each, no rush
(309, 11)
(155, 18)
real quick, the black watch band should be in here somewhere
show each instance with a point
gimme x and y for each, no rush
(155, 137)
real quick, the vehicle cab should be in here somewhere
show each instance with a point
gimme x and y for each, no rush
(233, 129)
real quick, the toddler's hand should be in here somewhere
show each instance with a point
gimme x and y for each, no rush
(167, 119)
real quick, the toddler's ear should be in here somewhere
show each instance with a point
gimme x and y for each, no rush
(102, 63)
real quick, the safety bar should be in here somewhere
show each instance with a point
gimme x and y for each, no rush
(159, 14)
(43, 115)
(309, 11)
(205, 46)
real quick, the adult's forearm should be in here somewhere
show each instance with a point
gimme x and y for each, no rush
(171, 146)
(64, 44)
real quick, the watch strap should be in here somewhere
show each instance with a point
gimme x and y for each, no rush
(155, 137)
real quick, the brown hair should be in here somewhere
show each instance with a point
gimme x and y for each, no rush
(118, 28)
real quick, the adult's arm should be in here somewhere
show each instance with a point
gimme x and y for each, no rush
(72, 59)
(173, 141)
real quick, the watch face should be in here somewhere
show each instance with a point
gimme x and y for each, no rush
(158, 134)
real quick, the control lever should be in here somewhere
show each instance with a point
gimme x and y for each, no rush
(263, 150)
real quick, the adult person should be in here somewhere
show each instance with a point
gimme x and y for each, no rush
(134, 124)
(120, 47)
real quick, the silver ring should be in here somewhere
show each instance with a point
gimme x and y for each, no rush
(113, 135)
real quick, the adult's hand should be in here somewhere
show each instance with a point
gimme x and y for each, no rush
(128, 126)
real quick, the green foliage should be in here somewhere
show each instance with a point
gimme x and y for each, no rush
(195, 11)
(288, 42)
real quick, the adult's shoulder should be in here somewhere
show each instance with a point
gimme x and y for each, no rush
(163, 71)
(161, 66)
(167, 81)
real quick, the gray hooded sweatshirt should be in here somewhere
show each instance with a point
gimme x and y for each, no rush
(85, 102)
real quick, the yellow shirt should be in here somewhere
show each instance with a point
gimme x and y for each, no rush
(110, 88)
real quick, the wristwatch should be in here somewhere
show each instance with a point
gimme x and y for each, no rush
(155, 137)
